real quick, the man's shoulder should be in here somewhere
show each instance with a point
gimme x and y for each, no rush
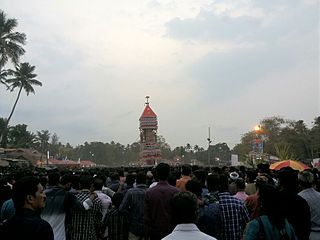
(161, 186)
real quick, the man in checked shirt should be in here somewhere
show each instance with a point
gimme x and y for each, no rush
(234, 214)
(86, 225)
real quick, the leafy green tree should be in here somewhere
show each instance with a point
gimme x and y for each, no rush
(43, 138)
(54, 145)
(11, 43)
(19, 137)
(315, 138)
(284, 151)
(220, 152)
(24, 78)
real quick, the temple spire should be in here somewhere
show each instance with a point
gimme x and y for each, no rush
(147, 100)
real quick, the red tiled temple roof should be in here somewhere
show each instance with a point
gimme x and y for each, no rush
(148, 112)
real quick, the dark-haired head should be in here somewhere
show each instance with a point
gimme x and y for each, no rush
(24, 193)
(185, 208)
(271, 204)
(163, 171)
(195, 187)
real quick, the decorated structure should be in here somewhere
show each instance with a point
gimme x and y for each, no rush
(150, 152)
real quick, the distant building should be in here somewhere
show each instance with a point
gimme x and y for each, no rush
(150, 153)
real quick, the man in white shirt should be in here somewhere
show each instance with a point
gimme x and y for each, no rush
(105, 200)
(306, 180)
(185, 213)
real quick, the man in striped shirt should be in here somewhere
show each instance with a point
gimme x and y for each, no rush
(133, 204)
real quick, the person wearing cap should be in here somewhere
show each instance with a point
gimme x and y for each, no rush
(306, 180)
(233, 176)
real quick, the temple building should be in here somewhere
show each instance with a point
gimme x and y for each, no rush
(150, 153)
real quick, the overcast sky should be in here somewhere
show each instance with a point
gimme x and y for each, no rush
(224, 64)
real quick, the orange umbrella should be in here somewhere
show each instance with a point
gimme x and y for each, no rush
(289, 163)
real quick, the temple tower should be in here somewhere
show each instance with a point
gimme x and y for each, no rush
(150, 152)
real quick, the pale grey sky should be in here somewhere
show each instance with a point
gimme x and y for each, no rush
(224, 64)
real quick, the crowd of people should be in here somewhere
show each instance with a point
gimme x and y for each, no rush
(185, 202)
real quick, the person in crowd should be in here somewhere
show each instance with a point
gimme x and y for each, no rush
(29, 200)
(242, 172)
(306, 181)
(209, 214)
(115, 182)
(233, 176)
(195, 187)
(86, 224)
(272, 224)
(241, 185)
(250, 184)
(175, 174)
(129, 182)
(133, 204)
(155, 178)
(201, 175)
(149, 178)
(213, 188)
(105, 201)
(252, 202)
(6, 188)
(234, 214)
(7, 210)
(58, 204)
(116, 221)
(185, 211)
(296, 209)
(157, 208)
(186, 176)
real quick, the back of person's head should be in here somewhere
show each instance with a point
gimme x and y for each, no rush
(54, 179)
(163, 171)
(288, 179)
(241, 184)
(194, 186)
(223, 183)
(269, 178)
(201, 175)
(130, 179)
(85, 181)
(233, 176)
(213, 182)
(271, 205)
(251, 176)
(264, 168)
(186, 170)
(306, 179)
(120, 172)
(22, 189)
(185, 208)
(44, 180)
(261, 180)
(114, 176)
(98, 183)
(141, 178)
(117, 199)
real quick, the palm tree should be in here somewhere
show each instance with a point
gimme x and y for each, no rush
(24, 78)
(10, 43)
